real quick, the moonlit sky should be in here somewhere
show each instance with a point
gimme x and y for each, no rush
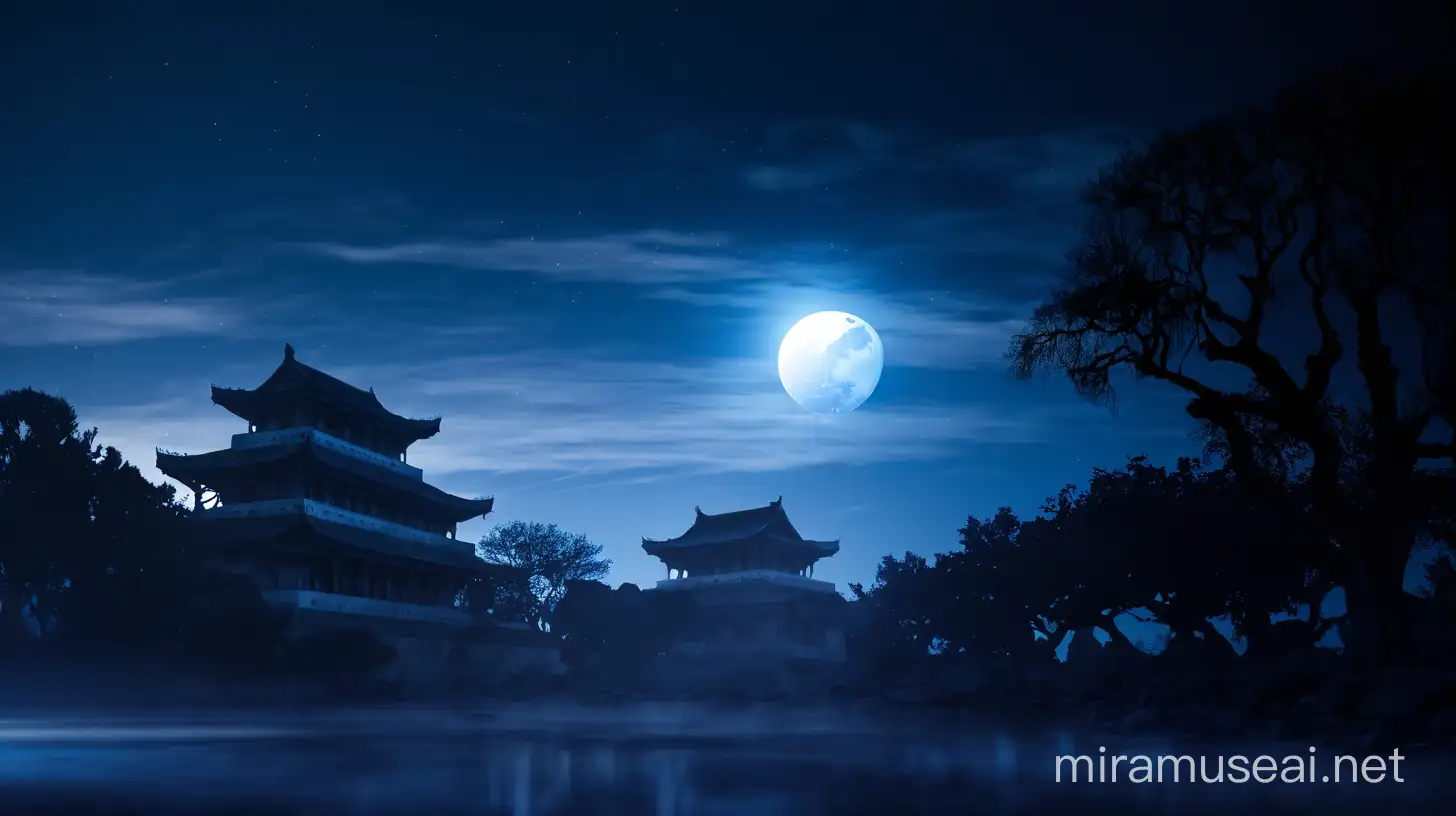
(580, 234)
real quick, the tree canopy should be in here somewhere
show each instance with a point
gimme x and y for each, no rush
(1181, 547)
(551, 556)
(1332, 201)
(91, 549)
(95, 563)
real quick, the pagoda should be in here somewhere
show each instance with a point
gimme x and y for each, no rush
(317, 502)
(751, 578)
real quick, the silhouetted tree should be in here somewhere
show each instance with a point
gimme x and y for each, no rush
(1178, 546)
(92, 551)
(549, 555)
(613, 635)
(1334, 198)
(94, 562)
(901, 613)
(631, 638)
(989, 585)
(582, 622)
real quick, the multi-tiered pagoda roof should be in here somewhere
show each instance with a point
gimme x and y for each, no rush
(321, 470)
(293, 382)
(311, 452)
(304, 523)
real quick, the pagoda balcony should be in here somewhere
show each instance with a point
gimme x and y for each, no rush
(272, 508)
(297, 436)
(312, 601)
(748, 577)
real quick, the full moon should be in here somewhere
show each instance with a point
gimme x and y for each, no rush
(830, 362)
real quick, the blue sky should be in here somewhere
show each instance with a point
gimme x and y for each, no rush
(579, 235)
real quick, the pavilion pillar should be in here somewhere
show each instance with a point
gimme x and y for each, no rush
(334, 585)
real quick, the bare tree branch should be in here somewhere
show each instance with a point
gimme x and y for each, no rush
(1339, 189)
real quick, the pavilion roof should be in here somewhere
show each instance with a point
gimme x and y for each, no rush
(769, 522)
(199, 469)
(293, 379)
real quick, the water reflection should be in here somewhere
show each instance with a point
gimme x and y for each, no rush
(417, 765)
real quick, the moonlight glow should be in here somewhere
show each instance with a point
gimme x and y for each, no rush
(830, 362)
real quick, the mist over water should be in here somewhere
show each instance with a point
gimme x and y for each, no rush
(668, 760)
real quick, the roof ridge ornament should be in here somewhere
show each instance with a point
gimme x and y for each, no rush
(698, 510)
(288, 351)
(779, 502)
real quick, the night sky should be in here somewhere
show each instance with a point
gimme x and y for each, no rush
(579, 234)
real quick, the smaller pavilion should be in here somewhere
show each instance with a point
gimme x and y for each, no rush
(750, 574)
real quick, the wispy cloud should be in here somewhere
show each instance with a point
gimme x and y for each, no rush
(645, 257)
(561, 413)
(932, 329)
(1057, 162)
(807, 155)
(804, 155)
(920, 329)
(367, 213)
(42, 308)
(777, 177)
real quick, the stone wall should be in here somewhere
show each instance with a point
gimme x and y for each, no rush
(743, 678)
(441, 658)
(444, 661)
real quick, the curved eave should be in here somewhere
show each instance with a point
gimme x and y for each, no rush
(826, 547)
(254, 530)
(191, 469)
(176, 466)
(239, 402)
(688, 540)
(473, 508)
(654, 547)
(247, 404)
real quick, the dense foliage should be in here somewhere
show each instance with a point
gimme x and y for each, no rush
(91, 551)
(1179, 547)
(549, 557)
(1327, 211)
(95, 566)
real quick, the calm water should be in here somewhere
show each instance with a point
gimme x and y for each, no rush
(657, 760)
